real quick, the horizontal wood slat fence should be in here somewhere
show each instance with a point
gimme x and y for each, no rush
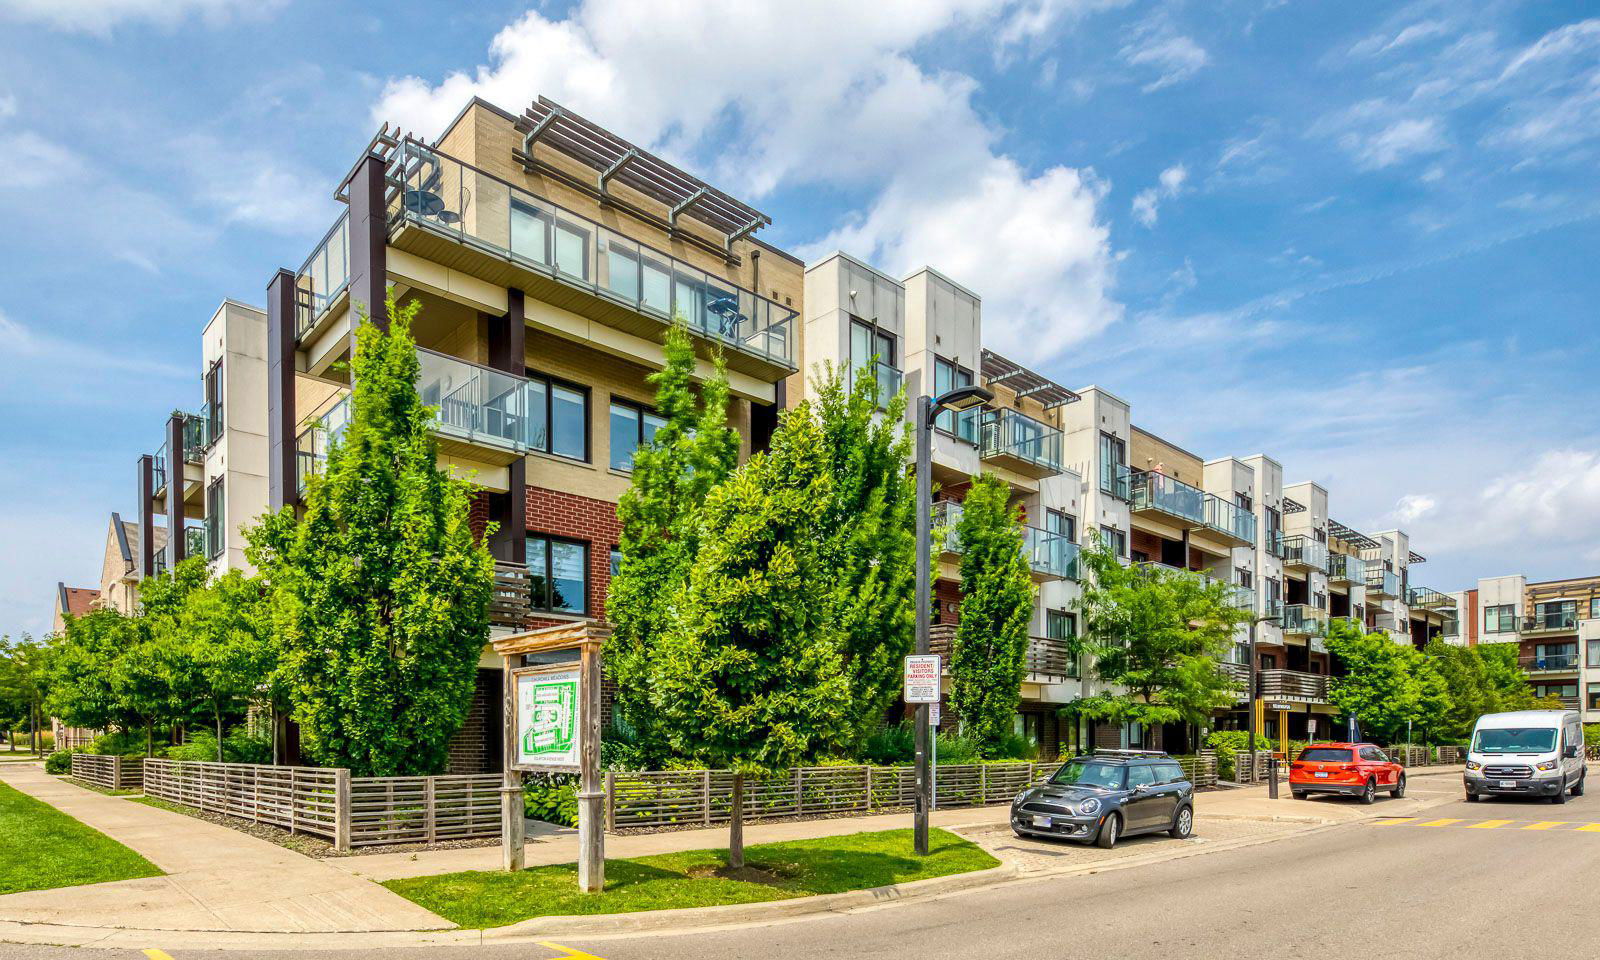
(387, 810)
(110, 772)
(679, 798)
(1412, 756)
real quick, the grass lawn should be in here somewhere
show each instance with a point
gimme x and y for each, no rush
(773, 871)
(8, 757)
(45, 848)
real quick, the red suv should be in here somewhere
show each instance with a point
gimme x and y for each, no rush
(1353, 769)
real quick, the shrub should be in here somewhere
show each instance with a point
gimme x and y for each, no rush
(238, 747)
(552, 798)
(117, 745)
(59, 762)
(1227, 744)
(956, 749)
(621, 748)
(890, 745)
(1014, 746)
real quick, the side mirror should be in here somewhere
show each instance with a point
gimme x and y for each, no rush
(1570, 752)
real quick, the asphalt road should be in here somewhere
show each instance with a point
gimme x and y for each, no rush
(1501, 878)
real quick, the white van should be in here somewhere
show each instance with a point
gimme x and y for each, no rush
(1530, 753)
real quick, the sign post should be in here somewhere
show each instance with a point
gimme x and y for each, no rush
(922, 689)
(552, 721)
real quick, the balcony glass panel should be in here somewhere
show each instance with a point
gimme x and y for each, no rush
(446, 196)
(1566, 619)
(1116, 480)
(1009, 433)
(1379, 580)
(323, 277)
(1239, 596)
(1230, 518)
(1304, 618)
(1304, 550)
(159, 469)
(475, 403)
(1047, 553)
(1157, 491)
(1342, 566)
(195, 438)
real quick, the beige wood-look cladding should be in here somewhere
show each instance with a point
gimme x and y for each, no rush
(1146, 450)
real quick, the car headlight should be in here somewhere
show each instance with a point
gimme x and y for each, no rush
(1474, 765)
(1023, 795)
(1548, 765)
(1089, 807)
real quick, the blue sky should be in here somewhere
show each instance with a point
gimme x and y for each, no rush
(1358, 237)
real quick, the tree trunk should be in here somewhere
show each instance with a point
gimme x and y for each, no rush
(736, 825)
(150, 737)
(218, 714)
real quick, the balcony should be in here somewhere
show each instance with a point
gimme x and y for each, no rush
(1382, 584)
(511, 602)
(1051, 556)
(1304, 553)
(1157, 493)
(1019, 443)
(1343, 568)
(323, 277)
(460, 217)
(1350, 621)
(1304, 620)
(1241, 597)
(1234, 523)
(1549, 663)
(1047, 656)
(1292, 685)
(1239, 673)
(1554, 621)
(194, 545)
(1116, 480)
(887, 376)
(1424, 598)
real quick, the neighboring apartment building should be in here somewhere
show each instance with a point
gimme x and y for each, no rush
(1556, 627)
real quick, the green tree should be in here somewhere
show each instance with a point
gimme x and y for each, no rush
(380, 591)
(748, 673)
(219, 652)
(659, 515)
(24, 684)
(1389, 687)
(871, 537)
(986, 663)
(80, 671)
(1507, 685)
(1158, 635)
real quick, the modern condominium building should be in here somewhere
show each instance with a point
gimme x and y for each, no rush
(1555, 625)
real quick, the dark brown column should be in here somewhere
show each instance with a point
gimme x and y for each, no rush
(508, 344)
(175, 522)
(281, 323)
(369, 236)
(147, 516)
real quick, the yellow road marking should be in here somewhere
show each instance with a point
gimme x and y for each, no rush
(1440, 823)
(154, 954)
(1546, 824)
(1390, 821)
(1590, 828)
(567, 951)
(1489, 824)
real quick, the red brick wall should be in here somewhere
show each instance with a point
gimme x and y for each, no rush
(478, 513)
(947, 595)
(572, 517)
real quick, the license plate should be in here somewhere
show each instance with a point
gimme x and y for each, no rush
(1041, 821)
(1319, 774)
(1508, 783)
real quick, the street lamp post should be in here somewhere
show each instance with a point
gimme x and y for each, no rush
(961, 398)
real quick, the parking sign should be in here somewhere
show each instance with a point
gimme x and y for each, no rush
(922, 679)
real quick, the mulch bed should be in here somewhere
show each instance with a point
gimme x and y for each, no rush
(310, 846)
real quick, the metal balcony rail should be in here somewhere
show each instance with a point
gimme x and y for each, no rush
(197, 541)
(1304, 551)
(1048, 554)
(480, 404)
(1230, 518)
(1549, 661)
(1292, 685)
(322, 277)
(1304, 619)
(1157, 491)
(446, 196)
(1425, 598)
(1005, 432)
(1344, 567)
(1116, 480)
(1381, 582)
(1551, 620)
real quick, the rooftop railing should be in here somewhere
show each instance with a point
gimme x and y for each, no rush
(1006, 433)
(1426, 598)
(443, 195)
(1304, 551)
(1159, 492)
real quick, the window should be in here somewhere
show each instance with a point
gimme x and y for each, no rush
(616, 560)
(948, 376)
(1274, 593)
(1169, 773)
(215, 521)
(1116, 538)
(1269, 661)
(1113, 465)
(632, 426)
(1060, 523)
(1062, 625)
(1556, 614)
(1322, 535)
(1319, 600)
(1244, 502)
(868, 343)
(1272, 530)
(559, 572)
(536, 233)
(560, 415)
(1243, 577)
(1567, 691)
(1500, 618)
(1142, 775)
(1594, 696)
(1594, 653)
(213, 389)
(1594, 608)
(1555, 656)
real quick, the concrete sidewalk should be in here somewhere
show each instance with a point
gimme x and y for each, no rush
(217, 879)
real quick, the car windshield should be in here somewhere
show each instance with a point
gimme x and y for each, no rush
(1090, 773)
(1515, 740)
(1325, 755)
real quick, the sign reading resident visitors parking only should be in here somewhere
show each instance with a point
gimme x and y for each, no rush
(922, 679)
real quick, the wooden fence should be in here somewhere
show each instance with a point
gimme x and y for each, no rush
(423, 809)
(678, 798)
(112, 773)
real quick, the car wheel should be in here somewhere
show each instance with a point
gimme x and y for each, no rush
(1577, 788)
(1561, 795)
(1399, 788)
(1472, 797)
(1369, 794)
(1182, 824)
(1298, 794)
(1110, 829)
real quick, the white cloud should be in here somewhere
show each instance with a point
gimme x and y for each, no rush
(31, 161)
(8, 105)
(33, 355)
(1377, 133)
(1413, 33)
(1147, 202)
(1414, 506)
(828, 94)
(1173, 56)
(1562, 42)
(255, 187)
(100, 17)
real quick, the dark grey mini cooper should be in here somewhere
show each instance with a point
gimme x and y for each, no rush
(1107, 796)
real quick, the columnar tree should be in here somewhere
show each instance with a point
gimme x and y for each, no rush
(748, 673)
(23, 685)
(871, 536)
(986, 664)
(1387, 685)
(380, 591)
(1157, 637)
(659, 515)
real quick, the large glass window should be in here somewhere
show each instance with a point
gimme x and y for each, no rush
(632, 426)
(1556, 614)
(560, 418)
(947, 376)
(1594, 653)
(1113, 463)
(216, 519)
(559, 571)
(1062, 625)
(1061, 523)
(1116, 538)
(1594, 696)
(1500, 618)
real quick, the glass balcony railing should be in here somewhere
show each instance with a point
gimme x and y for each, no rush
(1426, 598)
(481, 405)
(1048, 554)
(196, 435)
(1301, 550)
(1116, 480)
(1305, 620)
(886, 375)
(158, 473)
(1549, 661)
(323, 277)
(1381, 582)
(197, 540)
(1345, 568)
(1007, 433)
(1550, 620)
(1239, 596)
(1230, 518)
(1161, 493)
(445, 196)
